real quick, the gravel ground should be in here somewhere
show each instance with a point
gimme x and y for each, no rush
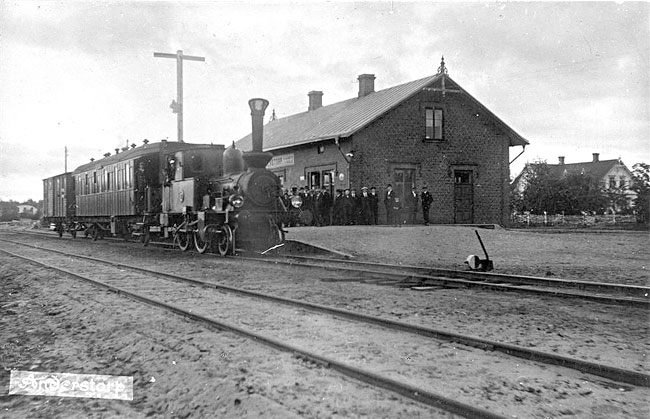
(88, 332)
(606, 256)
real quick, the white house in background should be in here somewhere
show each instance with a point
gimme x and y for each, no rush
(26, 210)
(612, 175)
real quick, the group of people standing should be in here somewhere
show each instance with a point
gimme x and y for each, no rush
(405, 212)
(347, 207)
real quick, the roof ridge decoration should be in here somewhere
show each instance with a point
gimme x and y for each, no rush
(442, 69)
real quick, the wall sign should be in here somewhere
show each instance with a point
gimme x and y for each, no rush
(281, 160)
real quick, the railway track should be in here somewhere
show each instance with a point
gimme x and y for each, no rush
(150, 283)
(425, 278)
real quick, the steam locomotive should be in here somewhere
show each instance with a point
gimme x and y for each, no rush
(192, 195)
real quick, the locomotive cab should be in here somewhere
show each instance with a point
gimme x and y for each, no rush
(188, 174)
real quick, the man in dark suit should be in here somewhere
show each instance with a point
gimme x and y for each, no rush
(324, 207)
(389, 203)
(338, 208)
(366, 207)
(410, 206)
(374, 206)
(426, 199)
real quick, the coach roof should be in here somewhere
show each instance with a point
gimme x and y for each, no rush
(134, 153)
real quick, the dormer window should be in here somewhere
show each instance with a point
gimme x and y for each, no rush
(433, 125)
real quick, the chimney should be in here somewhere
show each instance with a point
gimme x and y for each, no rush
(366, 84)
(315, 100)
(595, 159)
(561, 158)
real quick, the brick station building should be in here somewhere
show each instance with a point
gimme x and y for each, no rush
(425, 132)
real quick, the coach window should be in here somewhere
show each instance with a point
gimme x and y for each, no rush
(109, 180)
(95, 184)
(118, 178)
(434, 124)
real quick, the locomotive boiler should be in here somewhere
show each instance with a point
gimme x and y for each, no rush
(191, 195)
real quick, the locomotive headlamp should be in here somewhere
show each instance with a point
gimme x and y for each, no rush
(296, 201)
(258, 105)
(236, 200)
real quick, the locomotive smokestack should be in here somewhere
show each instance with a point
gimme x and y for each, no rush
(258, 107)
(257, 159)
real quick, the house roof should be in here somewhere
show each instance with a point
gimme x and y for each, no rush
(595, 169)
(345, 118)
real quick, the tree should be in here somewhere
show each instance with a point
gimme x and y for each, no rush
(571, 194)
(538, 193)
(641, 185)
(8, 211)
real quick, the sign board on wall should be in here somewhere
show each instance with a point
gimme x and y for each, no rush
(281, 160)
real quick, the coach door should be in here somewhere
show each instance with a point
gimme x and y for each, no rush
(463, 197)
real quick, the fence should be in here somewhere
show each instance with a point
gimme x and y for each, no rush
(571, 221)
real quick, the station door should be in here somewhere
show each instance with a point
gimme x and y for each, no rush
(463, 197)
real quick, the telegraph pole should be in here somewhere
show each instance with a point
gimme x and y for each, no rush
(177, 105)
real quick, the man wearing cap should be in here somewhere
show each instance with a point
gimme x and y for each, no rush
(366, 204)
(338, 208)
(374, 206)
(426, 199)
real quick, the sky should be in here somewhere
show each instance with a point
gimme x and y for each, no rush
(570, 77)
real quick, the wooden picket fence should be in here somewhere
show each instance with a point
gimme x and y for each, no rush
(572, 221)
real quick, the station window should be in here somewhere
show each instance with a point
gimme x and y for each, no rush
(433, 125)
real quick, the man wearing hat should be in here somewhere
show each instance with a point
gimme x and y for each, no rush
(426, 199)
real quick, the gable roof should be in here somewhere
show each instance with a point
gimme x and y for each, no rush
(595, 169)
(343, 119)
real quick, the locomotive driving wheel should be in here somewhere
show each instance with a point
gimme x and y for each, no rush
(201, 245)
(184, 240)
(224, 242)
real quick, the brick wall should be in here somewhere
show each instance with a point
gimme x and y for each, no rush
(471, 142)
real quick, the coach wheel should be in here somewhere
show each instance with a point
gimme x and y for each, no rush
(145, 237)
(184, 240)
(224, 242)
(202, 246)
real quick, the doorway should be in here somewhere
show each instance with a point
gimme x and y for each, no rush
(463, 197)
